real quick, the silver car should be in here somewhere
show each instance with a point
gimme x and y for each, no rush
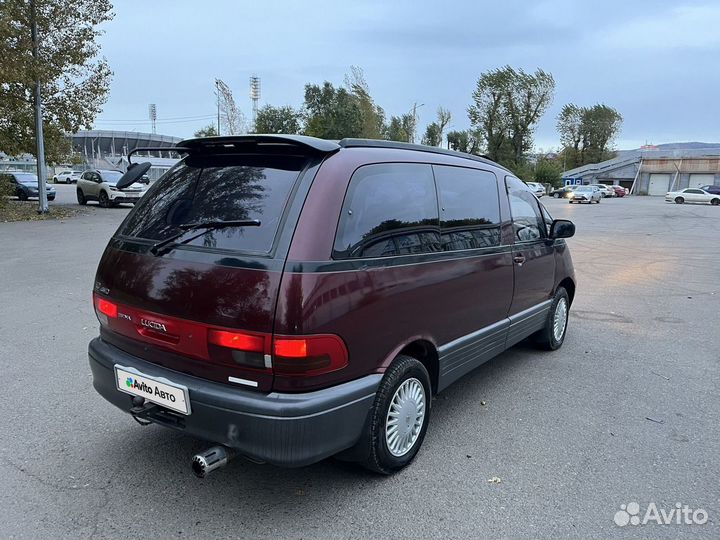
(588, 194)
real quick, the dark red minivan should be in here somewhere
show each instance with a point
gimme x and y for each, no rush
(291, 298)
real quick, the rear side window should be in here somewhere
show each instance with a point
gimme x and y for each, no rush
(528, 224)
(469, 208)
(210, 188)
(390, 209)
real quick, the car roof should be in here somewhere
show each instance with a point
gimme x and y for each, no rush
(309, 145)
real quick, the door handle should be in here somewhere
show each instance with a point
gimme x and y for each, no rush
(519, 259)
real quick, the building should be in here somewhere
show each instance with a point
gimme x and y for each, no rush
(654, 170)
(105, 149)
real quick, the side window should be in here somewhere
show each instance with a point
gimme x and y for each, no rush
(547, 217)
(695, 191)
(528, 224)
(390, 209)
(469, 208)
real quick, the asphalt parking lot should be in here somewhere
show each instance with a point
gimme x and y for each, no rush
(627, 411)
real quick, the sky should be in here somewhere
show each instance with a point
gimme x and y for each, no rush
(657, 62)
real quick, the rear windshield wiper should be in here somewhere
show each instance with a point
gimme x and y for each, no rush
(159, 248)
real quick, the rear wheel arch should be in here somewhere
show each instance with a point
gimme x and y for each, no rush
(427, 354)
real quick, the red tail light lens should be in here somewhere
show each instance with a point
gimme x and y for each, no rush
(107, 307)
(291, 348)
(308, 355)
(237, 340)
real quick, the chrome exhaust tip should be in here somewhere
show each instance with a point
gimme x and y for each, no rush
(211, 459)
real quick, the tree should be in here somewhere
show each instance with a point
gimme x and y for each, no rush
(74, 80)
(278, 120)
(395, 130)
(232, 119)
(464, 141)
(587, 133)
(443, 120)
(548, 171)
(433, 135)
(507, 106)
(208, 131)
(331, 113)
(372, 115)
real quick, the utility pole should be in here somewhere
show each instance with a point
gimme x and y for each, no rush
(39, 140)
(255, 97)
(415, 119)
(152, 111)
(217, 93)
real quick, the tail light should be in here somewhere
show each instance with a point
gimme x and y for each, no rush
(308, 355)
(286, 356)
(105, 309)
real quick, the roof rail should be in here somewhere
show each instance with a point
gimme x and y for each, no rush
(376, 143)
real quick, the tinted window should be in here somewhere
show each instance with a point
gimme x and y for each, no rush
(528, 224)
(469, 208)
(218, 188)
(695, 191)
(390, 209)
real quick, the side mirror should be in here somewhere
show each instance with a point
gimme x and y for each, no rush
(562, 228)
(135, 172)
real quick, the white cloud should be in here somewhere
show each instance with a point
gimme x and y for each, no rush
(683, 27)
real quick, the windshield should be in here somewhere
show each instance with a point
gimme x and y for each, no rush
(218, 188)
(111, 176)
(26, 178)
(584, 189)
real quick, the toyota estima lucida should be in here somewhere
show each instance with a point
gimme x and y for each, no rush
(289, 298)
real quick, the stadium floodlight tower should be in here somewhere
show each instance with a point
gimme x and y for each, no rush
(255, 97)
(152, 111)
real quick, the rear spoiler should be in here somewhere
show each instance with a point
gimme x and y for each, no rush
(243, 144)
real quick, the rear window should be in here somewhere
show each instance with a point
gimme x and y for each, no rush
(210, 188)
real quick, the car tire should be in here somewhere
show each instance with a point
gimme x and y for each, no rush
(679, 200)
(556, 195)
(103, 199)
(387, 454)
(552, 336)
(81, 197)
(22, 196)
(50, 199)
(715, 202)
(570, 202)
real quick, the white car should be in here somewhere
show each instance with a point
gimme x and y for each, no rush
(692, 195)
(537, 188)
(67, 177)
(100, 185)
(606, 191)
(588, 194)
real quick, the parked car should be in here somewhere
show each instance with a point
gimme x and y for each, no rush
(562, 192)
(605, 190)
(715, 190)
(588, 194)
(537, 188)
(26, 185)
(692, 195)
(619, 191)
(99, 185)
(272, 294)
(67, 177)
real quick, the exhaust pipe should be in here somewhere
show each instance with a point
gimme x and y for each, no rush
(213, 458)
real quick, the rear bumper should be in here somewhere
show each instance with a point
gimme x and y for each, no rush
(290, 430)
